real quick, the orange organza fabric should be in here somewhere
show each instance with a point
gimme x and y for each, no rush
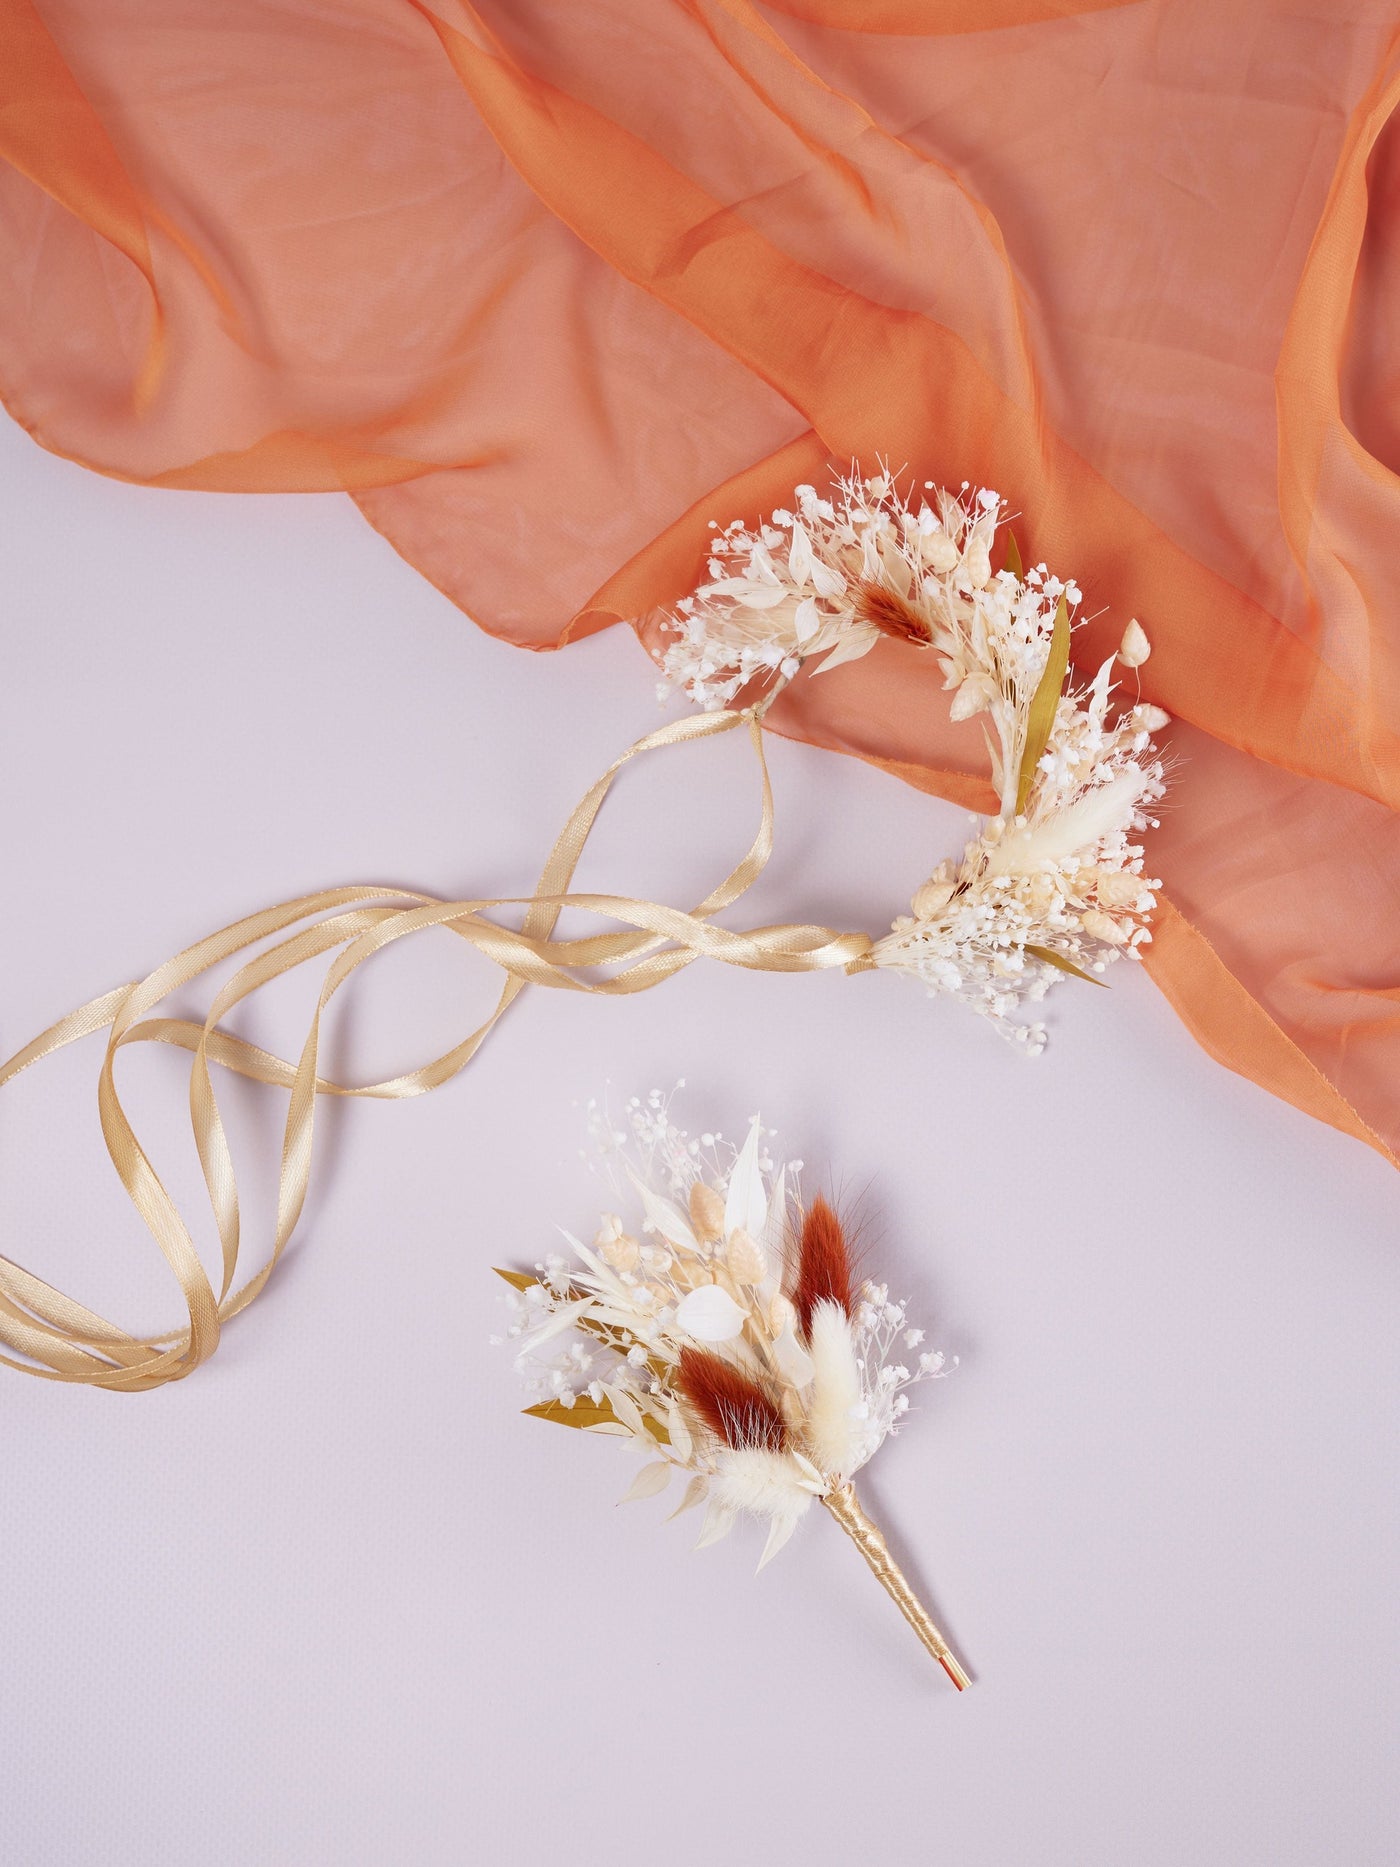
(544, 286)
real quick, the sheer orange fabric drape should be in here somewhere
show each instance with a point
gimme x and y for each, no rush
(546, 286)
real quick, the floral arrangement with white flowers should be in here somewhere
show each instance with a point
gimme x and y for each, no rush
(724, 1333)
(1054, 882)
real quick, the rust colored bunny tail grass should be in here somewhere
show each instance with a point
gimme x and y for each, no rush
(824, 1269)
(736, 1409)
(892, 614)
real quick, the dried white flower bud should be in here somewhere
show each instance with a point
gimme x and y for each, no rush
(781, 1316)
(931, 899)
(710, 1314)
(1134, 649)
(1151, 719)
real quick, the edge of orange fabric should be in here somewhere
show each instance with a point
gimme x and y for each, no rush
(1209, 999)
(1225, 654)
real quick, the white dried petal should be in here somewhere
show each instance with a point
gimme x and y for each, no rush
(806, 620)
(649, 1480)
(790, 1358)
(694, 1492)
(974, 696)
(626, 1411)
(710, 1314)
(681, 1443)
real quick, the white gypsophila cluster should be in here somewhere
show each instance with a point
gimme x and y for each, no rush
(1053, 887)
(645, 1145)
(797, 588)
(883, 1338)
(1052, 884)
(598, 1335)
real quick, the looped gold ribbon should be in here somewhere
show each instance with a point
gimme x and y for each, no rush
(60, 1340)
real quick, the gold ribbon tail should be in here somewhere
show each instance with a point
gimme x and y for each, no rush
(845, 1507)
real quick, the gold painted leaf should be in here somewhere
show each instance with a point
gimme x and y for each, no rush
(521, 1280)
(1047, 697)
(1061, 964)
(586, 1412)
(1013, 556)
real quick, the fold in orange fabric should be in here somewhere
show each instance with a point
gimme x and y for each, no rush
(547, 286)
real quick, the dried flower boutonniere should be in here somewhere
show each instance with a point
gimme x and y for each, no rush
(1051, 885)
(729, 1338)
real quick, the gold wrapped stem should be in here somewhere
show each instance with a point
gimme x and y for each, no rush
(845, 1507)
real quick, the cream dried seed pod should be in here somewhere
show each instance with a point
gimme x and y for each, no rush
(1135, 647)
(1102, 927)
(939, 552)
(620, 1251)
(1117, 888)
(745, 1259)
(977, 565)
(706, 1212)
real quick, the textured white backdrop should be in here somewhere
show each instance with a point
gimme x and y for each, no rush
(332, 1601)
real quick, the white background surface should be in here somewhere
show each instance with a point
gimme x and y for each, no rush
(333, 1601)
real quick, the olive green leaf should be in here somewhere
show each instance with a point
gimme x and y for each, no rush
(1061, 964)
(1047, 697)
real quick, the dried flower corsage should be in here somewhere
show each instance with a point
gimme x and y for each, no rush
(728, 1338)
(1053, 884)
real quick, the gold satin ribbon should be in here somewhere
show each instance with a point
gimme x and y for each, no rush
(69, 1342)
